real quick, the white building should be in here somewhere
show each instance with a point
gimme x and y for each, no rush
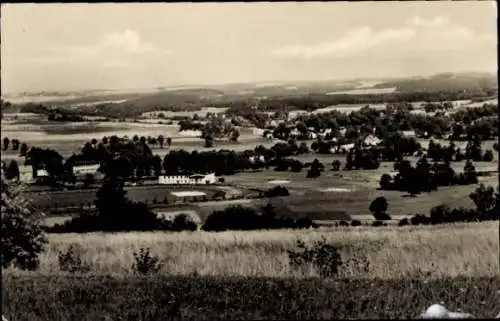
(258, 131)
(42, 173)
(294, 133)
(26, 173)
(371, 140)
(81, 170)
(409, 133)
(197, 179)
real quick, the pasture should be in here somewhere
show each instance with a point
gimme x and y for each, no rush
(310, 193)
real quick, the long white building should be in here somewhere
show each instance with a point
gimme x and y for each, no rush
(81, 170)
(197, 179)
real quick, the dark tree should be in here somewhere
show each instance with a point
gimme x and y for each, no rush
(235, 135)
(379, 207)
(349, 164)
(23, 150)
(6, 142)
(15, 144)
(385, 182)
(336, 165)
(486, 201)
(470, 174)
(161, 140)
(110, 198)
(488, 156)
(315, 169)
(296, 166)
(12, 170)
(303, 148)
(88, 180)
(209, 141)
(156, 165)
(473, 149)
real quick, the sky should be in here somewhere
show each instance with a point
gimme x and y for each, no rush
(63, 47)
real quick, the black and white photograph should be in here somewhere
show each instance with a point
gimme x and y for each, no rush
(249, 161)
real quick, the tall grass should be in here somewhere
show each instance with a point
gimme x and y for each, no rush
(434, 251)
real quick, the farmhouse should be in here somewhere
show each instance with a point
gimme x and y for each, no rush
(371, 140)
(188, 196)
(196, 179)
(409, 133)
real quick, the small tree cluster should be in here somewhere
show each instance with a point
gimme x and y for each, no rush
(487, 208)
(425, 177)
(245, 218)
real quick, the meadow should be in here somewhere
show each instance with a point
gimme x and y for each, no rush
(434, 251)
(247, 275)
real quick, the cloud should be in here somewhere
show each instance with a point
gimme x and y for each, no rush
(416, 36)
(112, 50)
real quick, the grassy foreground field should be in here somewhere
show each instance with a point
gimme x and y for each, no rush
(37, 298)
(435, 251)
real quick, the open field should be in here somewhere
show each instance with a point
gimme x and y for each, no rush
(135, 193)
(364, 91)
(170, 114)
(68, 138)
(69, 297)
(439, 251)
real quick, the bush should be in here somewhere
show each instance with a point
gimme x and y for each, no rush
(355, 223)
(23, 237)
(324, 257)
(488, 156)
(132, 217)
(146, 263)
(403, 222)
(385, 182)
(70, 261)
(419, 219)
(343, 223)
(245, 218)
(183, 222)
(379, 223)
(379, 207)
(296, 166)
(313, 172)
(277, 191)
(440, 214)
(305, 222)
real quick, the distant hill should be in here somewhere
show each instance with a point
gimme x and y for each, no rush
(130, 103)
(445, 82)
